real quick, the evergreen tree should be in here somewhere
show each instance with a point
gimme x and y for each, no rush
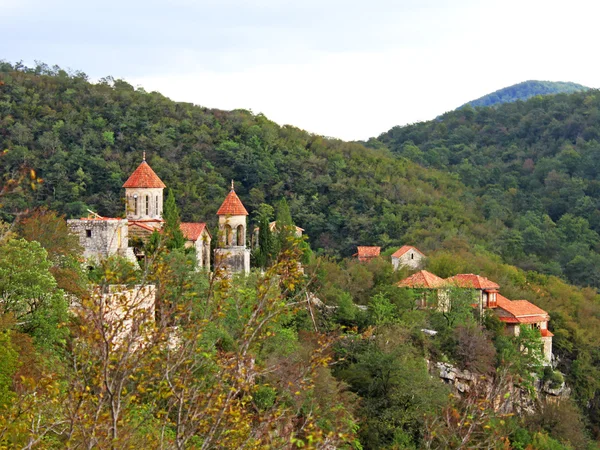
(173, 236)
(285, 226)
(264, 254)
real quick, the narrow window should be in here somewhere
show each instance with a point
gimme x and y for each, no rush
(147, 205)
(156, 209)
(240, 235)
(412, 256)
(88, 233)
(228, 235)
(135, 200)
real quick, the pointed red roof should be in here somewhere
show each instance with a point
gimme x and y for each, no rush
(468, 280)
(144, 177)
(192, 231)
(232, 206)
(402, 250)
(423, 279)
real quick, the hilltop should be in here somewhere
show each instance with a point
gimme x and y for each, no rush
(85, 139)
(526, 90)
(531, 166)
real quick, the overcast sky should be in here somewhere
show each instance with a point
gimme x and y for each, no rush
(342, 68)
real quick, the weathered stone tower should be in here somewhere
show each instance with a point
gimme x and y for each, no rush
(102, 237)
(144, 194)
(231, 253)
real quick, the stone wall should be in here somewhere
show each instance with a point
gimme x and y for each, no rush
(101, 237)
(127, 310)
(411, 259)
(233, 259)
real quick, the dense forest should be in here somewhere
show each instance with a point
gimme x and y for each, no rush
(526, 90)
(531, 167)
(255, 363)
(85, 139)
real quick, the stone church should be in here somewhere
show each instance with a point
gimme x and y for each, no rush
(102, 237)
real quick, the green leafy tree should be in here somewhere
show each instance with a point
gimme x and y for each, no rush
(29, 292)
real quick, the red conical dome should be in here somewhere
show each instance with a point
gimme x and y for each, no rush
(144, 177)
(232, 206)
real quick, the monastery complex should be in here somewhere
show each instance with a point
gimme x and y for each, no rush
(102, 237)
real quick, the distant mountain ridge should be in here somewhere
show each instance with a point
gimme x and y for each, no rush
(526, 90)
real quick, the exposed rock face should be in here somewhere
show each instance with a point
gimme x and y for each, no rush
(518, 400)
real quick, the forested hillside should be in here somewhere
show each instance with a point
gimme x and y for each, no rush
(526, 90)
(85, 139)
(284, 358)
(532, 167)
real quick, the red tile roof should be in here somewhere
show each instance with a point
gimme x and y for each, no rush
(143, 226)
(519, 308)
(546, 333)
(521, 311)
(367, 252)
(405, 248)
(468, 280)
(423, 279)
(232, 206)
(144, 177)
(192, 231)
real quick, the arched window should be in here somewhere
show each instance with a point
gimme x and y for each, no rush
(156, 212)
(412, 256)
(147, 205)
(241, 238)
(228, 235)
(135, 203)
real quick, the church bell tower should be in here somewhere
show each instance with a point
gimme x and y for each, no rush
(144, 194)
(232, 253)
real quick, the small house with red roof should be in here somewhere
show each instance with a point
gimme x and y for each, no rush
(433, 288)
(197, 235)
(515, 314)
(485, 290)
(408, 256)
(518, 313)
(273, 228)
(366, 253)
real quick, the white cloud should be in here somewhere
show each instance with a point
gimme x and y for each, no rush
(343, 68)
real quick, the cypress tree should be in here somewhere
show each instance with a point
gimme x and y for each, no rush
(285, 225)
(265, 251)
(172, 231)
